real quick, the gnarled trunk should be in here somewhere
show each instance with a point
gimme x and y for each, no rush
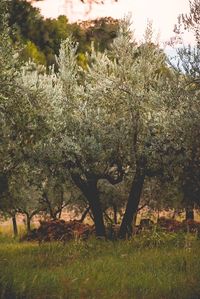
(89, 189)
(92, 196)
(132, 204)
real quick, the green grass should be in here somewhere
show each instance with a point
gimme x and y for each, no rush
(154, 266)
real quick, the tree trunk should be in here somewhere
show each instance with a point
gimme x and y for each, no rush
(189, 213)
(49, 207)
(89, 188)
(95, 206)
(158, 215)
(115, 213)
(132, 204)
(28, 223)
(15, 229)
(59, 214)
(189, 205)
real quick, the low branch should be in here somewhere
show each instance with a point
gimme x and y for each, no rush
(117, 177)
(108, 217)
(84, 214)
(142, 207)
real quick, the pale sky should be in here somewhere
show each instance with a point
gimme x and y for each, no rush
(163, 13)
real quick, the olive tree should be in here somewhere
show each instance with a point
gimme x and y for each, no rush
(188, 68)
(131, 85)
(87, 144)
(25, 114)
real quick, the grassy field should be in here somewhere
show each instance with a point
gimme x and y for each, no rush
(152, 266)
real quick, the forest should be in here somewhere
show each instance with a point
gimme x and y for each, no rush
(97, 124)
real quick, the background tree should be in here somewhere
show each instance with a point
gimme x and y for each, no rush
(57, 192)
(42, 37)
(188, 67)
(24, 111)
(23, 196)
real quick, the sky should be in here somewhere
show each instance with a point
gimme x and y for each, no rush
(163, 13)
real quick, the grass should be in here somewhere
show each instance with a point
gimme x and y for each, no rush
(153, 266)
(6, 229)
